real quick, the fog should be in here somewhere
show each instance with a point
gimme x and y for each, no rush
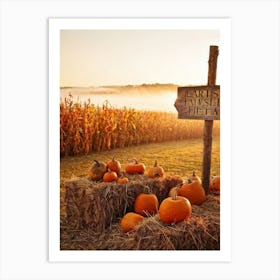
(144, 97)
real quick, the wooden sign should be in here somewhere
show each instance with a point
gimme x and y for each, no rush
(199, 103)
(202, 103)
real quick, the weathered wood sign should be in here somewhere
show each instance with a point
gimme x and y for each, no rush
(200, 102)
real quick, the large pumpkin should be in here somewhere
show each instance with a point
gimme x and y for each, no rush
(156, 171)
(135, 167)
(193, 191)
(146, 203)
(97, 170)
(175, 209)
(130, 221)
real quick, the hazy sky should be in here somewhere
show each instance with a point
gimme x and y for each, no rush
(121, 57)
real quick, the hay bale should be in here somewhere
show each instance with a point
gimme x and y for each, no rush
(95, 205)
(200, 232)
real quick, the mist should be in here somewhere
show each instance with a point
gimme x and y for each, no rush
(155, 97)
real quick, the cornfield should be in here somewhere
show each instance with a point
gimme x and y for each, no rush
(85, 127)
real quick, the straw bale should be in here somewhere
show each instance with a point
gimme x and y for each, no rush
(94, 205)
(200, 232)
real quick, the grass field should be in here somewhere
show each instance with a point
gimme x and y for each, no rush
(176, 157)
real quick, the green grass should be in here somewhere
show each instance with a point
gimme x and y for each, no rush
(176, 157)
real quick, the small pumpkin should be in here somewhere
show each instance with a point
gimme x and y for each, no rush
(156, 171)
(215, 184)
(135, 167)
(146, 203)
(175, 209)
(110, 176)
(193, 191)
(114, 165)
(130, 221)
(97, 170)
(122, 180)
(194, 177)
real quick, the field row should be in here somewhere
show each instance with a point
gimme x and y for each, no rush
(86, 128)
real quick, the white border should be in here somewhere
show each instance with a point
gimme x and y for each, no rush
(221, 24)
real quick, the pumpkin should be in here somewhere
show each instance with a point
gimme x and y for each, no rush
(146, 203)
(122, 180)
(194, 177)
(175, 209)
(135, 167)
(110, 176)
(130, 220)
(114, 165)
(193, 191)
(98, 170)
(156, 171)
(215, 184)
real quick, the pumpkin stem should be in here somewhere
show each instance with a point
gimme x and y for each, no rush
(193, 173)
(97, 162)
(174, 193)
(113, 159)
(146, 190)
(155, 165)
(135, 160)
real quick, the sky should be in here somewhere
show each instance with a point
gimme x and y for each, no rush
(133, 57)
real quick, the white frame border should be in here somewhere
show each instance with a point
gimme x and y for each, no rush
(221, 24)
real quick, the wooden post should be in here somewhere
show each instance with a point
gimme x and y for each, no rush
(208, 124)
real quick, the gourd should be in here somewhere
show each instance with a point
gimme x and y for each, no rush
(175, 209)
(146, 203)
(97, 170)
(135, 167)
(130, 221)
(156, 171)
(114, 165)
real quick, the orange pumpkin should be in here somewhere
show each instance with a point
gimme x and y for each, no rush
(215, 184)
(194, 177)
(130, 221)
(175, 209)
(110, 176)
(193, 191)
(156, 171)
(122, 180)
(146, 203)
(135, 168)
(98, 170)
(114, 165)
